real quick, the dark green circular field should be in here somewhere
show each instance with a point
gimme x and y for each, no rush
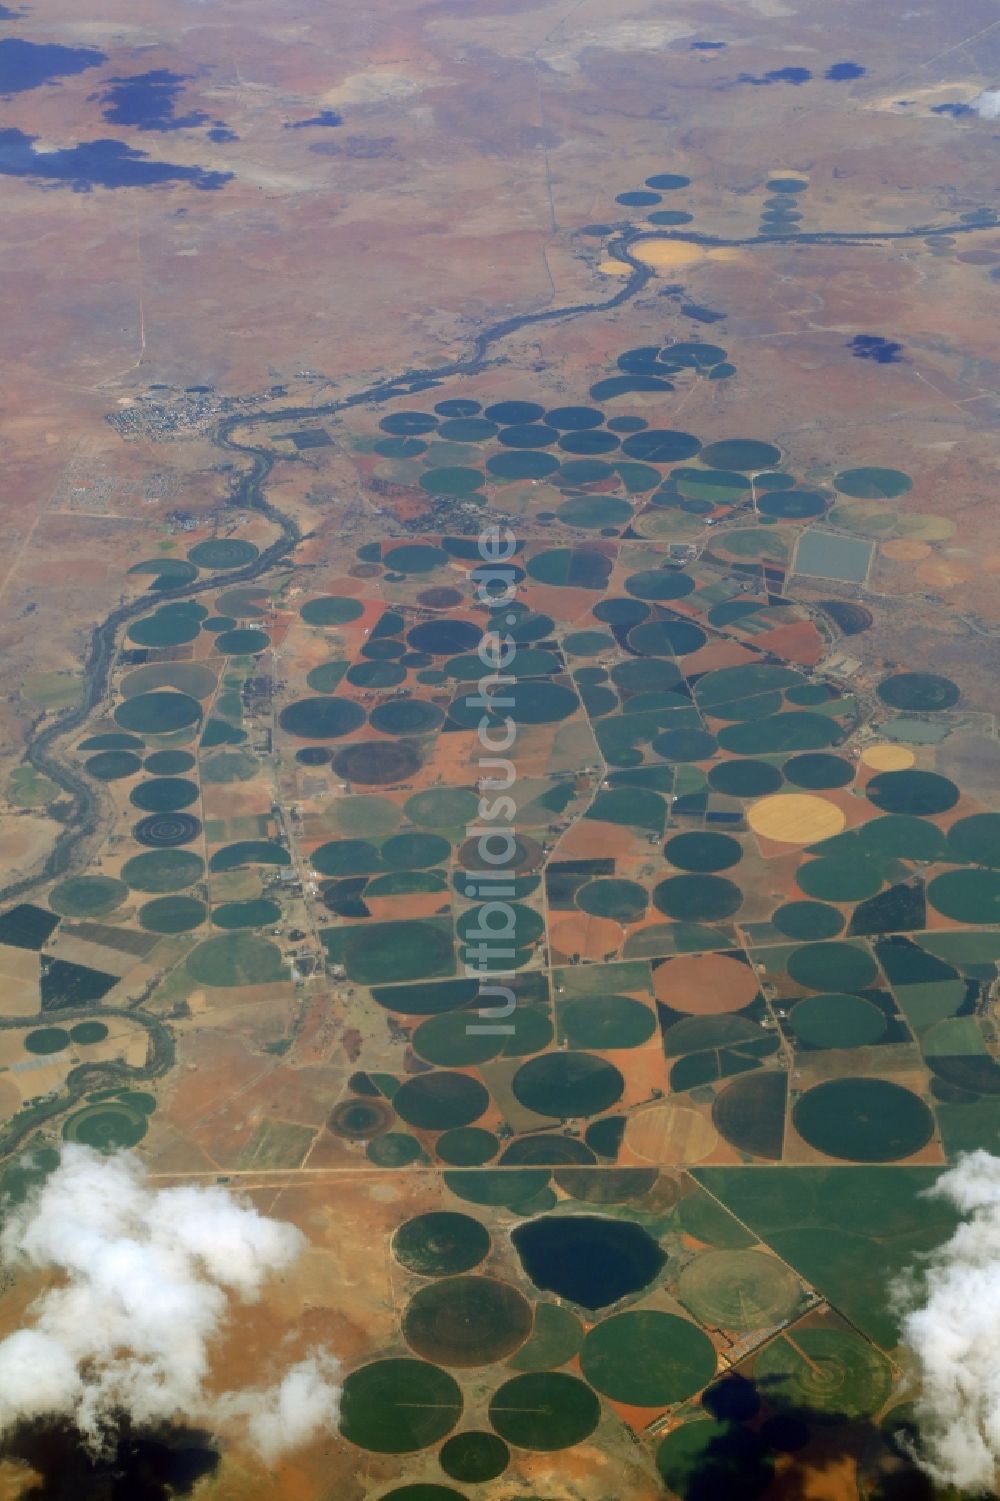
(467, 1146)
(863, 1120)
(112, 1126)
(112, 766)
(169, 763)
(567, 1084)
(657, 584)
(606, 1021)
(976, 839)
(163, 870)
(158, 713)
(441, 1244)
(969, 896)
(223, 552)
(331, 609)
(244, 641)
(46, 1040)
(415, 557)
(666, 638)
(164, 794)
(84, 1034)
(377, 763)
(401, 950)
(837, 1020)
(165, 830)
(87, 896)
(398, 1406)
(839, 878)
(474, 1457)
(647, 1359)
(832, 967)
(193, 678)
(321, 718)
(793, 505)
(701, 850)
(556, 1337)
(571, 568)
(440, 1100)
(744, 778)
(172, 914)
(750, 1113)
(168, 626)
(393, 1150)
(706, 1459)
(918, 692)
(697, 898)
(544, 1411)
(796, 729)
(745, 454)
(872, 483)
(817, 770)
(451, 1042)
(812, 920)
(467, 1321)
(406, 716)
(685, 745)
(236, 959)
(624, 901)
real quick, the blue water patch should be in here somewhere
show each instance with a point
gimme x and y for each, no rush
(27, 65)
(795, 76)
(874, 347)
(706, 46)
(839, 72)
(957, 110)
(149, 101)
(327, 117)
(96, 164)
(220, 132)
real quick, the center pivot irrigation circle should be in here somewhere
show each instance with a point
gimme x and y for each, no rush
(165, 830)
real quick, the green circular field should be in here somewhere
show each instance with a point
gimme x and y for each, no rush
(863, 1120)
(816, 770)
(440, 1100)
(423, 1493)
(377, 763)
(259, 912)
(744, 779)
(164, 794)
(606, 1021)
(703, 851)
(406, 716)
(172, 914)
(797, 729)
(467, 1146)
(840, 878)
(112, 766)
(825, 1370)
(746, 454)
(111, 1126)
(158, 713)
(223, 552)
(467, 1321)
(168, 626)
(87, 896)
(659, 584)
(832, 966)
(918, 692)
(544, 1411)
(325, 718)
(193, 678)
(169, 763)
(969, 896)
(46, 1040)
(245, 641)
(331, 609)
(624, 901)
(808, 920)
(567, 1084)
(441, 1244)
(398, 1406)
(555, 1338)
(697, 898)
(547, 1149)
(163, 870)
(975, 839)
(872, 483)
(448, 1040)
(395, 1149)
(647, 1359)
(793, 505)
(706, 1459)
(164, 830)
(739, 1290)
(837, 1020)
(474, 1457)
(84, 1034)
(750, 1113)
(236, 959)
(442, 807)
(415, 557)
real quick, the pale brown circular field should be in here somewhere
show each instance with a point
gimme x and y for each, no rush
(579, 933)
(796, 818)
(670, 1134)
(705, 984)
(886, 757)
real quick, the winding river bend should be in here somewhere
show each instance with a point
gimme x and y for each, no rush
(83, 815)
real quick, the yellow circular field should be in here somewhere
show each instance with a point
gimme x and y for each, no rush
(796, 818)
(667, 254)
(670, 1134)
(886, 757)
